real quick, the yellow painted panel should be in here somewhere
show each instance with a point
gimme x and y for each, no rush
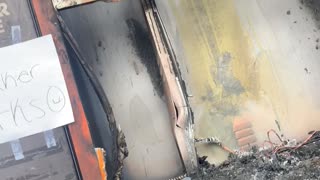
(249, 59)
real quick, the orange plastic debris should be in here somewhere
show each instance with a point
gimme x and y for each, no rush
(102, 164)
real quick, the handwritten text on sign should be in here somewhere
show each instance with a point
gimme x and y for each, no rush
(33, 93)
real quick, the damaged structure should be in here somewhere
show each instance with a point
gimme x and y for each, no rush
(300, 161)
(170, 89)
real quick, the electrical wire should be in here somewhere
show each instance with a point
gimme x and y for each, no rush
(279, 148)
(274, 132)
(227, 149)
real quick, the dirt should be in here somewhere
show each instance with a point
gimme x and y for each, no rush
(302, 163)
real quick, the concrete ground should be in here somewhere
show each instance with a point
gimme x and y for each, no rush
(114, 39)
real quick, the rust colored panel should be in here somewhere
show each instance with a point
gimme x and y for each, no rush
(80, 133)
(176, 102)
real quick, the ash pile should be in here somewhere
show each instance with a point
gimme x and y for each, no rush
(287, 160)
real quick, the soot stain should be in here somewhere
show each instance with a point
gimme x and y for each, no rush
(224, 76)
(313, 6)
(143, 48)
(288, 12)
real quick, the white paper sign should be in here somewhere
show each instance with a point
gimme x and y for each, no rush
(33, 93)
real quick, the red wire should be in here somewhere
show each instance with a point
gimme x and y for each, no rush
(296, 147)
(272, 130)
(305, 141)
(227, 149)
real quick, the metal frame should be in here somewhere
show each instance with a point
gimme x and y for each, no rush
(84, 153)
(178, 106)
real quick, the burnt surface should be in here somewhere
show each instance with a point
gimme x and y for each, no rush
(115, 41)
(303, 163)
(143, 48)
(313, 7)
(223, 75)
(101, 131)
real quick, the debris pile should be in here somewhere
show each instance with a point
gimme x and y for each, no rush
(287, 161)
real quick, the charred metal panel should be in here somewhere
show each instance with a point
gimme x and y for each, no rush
(116, 43)
(178, 106)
